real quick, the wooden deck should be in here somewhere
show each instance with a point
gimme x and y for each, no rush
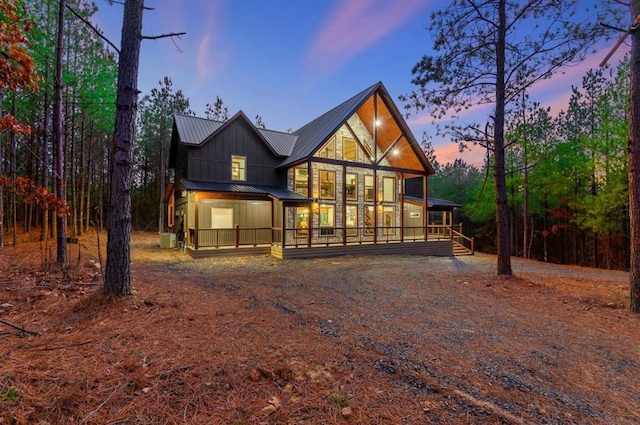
(425, 248)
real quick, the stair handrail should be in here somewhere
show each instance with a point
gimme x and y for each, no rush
(455, 234)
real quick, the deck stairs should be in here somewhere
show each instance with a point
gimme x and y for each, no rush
(462, 245)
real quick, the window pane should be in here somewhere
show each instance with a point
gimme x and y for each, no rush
(389, 220)
(351, 220)
(368, 188)
(351, 187)
(368, 220)
(389, 189)
(238, 167)
(302, 221)
(301, 181)
(329, 149)
(349, 150)
(327, 219)
(327, 184)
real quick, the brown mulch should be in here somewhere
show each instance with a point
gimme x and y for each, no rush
(361, 340)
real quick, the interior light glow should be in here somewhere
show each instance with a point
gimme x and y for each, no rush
(378, 123)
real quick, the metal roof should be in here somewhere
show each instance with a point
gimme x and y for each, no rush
(313, 134)
(276, 192)
(194, 130)
(434, 203)
(281, 143)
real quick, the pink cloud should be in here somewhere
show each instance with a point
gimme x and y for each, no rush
(354, 25)
(448, 152)
(203, 59)
(210, 59)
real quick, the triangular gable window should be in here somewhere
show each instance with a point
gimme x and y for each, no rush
(328, 150)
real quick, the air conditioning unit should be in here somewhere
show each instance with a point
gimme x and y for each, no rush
(167, 240)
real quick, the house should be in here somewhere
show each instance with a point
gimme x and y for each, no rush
(335, 186)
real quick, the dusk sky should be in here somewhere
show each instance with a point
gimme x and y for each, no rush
(292, 60)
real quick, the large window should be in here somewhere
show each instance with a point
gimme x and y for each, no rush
(221, 218)
(327, 184)
(351, 220)
(389, 189)
(368, 189)
(238, 168)
(389, 220)
(327, 219)
(329, 149)
(351, 187)
(301, 179)
(368, 220)
(349, 149)
(302, 221)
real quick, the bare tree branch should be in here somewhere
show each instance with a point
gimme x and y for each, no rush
(156, 37)
(94, 29)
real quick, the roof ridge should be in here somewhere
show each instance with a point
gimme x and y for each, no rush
(278, 131)
(197, 117)
(341, 104)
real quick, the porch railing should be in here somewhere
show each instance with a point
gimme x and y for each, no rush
(236, 237)
(298, 237)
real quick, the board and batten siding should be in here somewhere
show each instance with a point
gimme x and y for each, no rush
(212, 161)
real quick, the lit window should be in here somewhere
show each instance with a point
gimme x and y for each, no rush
(349, 150)
(301, 181)
(329, 149)
(327, 219)
(351, 187)
(327, 184)
(389, 189)
(302, 221)
(389, 220)
(368, 220)
(351, 220)
(238, 168)
(368, 188)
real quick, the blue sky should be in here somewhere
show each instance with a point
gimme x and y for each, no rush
(292, 60)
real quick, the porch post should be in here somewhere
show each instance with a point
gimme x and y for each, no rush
(283, 224)
(401, 207)
(375, 175)
(196, 203)
(344, 205)
(425, 213)
(310, 225)
(375, 206)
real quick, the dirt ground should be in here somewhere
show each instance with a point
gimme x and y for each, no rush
(361, 340)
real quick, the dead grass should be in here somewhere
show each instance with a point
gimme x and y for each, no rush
(366, 340)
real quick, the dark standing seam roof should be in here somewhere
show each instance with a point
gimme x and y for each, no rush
(434, 202)
(276, 192)
(194, 131)
(313, 134)
(281, 143)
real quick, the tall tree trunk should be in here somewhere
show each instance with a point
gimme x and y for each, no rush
(502, 212)
(1, 173)
(14, 158)
(61, 231)
(162, 178)
(118, 268)
(634, 163)
(82, 177)
(45, 153)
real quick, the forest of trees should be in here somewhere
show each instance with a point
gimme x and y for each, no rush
(566, 175)
(566, 178)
